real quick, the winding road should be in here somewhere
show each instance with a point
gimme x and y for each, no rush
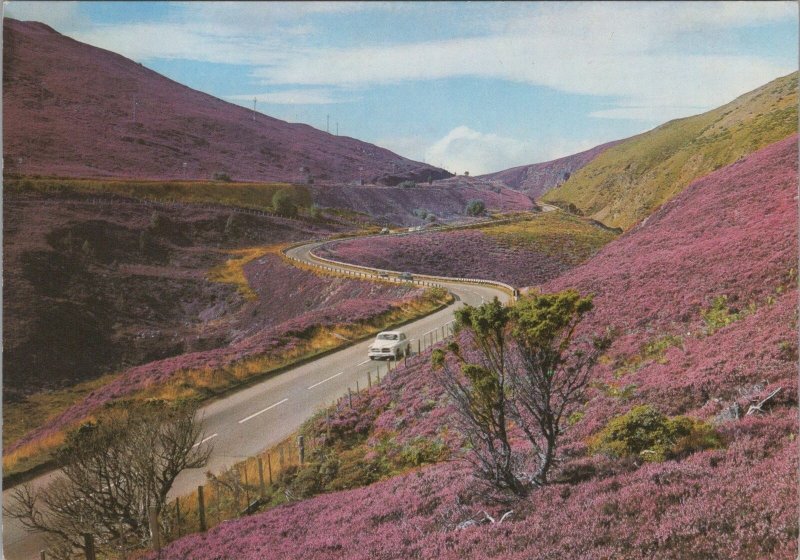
(260, 416)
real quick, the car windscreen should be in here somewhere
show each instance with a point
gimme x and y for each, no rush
(387, 337)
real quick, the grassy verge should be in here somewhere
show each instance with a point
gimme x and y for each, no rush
(247, 195)
(203, 383)
(556, 234)
(338, 454)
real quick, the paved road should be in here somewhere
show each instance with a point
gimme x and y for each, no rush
(248, 421)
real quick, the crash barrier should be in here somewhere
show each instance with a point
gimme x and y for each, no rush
(357, 271)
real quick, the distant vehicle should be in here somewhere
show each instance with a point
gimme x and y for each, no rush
(405, 276)
(383, 274)
(385, 231)
(389, 344)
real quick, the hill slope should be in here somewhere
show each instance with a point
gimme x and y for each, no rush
(69, 111)
(535, 180)
(736, 237)
(629, 181)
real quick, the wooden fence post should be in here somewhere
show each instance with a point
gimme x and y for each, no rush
(261, 477)
(246, 487)
(269, 468)
(42, 555)
(178, 515)
(301, 444)
(350, 397)
(419, 346)
(369, 380)
(155, 532)
(201, 508)
(88, 546)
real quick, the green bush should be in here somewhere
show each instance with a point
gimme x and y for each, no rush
(407, 185)
(645, 433)
(719, 314)
(475, 207)
(283, 203)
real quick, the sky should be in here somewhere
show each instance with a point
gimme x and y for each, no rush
(474, 86)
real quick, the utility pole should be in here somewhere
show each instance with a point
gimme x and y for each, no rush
(254, 109)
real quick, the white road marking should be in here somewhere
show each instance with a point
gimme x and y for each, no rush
(243, 420)
(362, 363)
(212, 436)
(324, 380)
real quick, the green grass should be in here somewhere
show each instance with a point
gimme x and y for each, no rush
(557, 234)
(629, 181)
(247, 195)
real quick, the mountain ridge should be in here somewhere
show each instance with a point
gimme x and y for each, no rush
(72, 110)
(629, 181)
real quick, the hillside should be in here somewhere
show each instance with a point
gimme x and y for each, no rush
(702, 298)
(446, 200)
(74, 110)
(521, 253)
(537, 179)
(627, 182)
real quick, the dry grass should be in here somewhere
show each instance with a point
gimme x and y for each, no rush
(232, 270)
(247, 195)
(203, 383)
(207, 382)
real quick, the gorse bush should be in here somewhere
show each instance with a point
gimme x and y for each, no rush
(475, 207)
(643, 432)
(284, 204)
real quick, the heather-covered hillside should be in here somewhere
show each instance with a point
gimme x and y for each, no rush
(627, 182)
(536, 179)
(73, 110)
(522, 253)
(702, 299)
(444, 200)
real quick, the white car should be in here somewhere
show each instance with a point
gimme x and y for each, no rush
(389, 344)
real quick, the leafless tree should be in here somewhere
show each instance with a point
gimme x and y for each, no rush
(112, 472)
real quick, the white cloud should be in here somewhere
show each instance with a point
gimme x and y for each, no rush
(649, 58)
(294, 97)
(464, 149)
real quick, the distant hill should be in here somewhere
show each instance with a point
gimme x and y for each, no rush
(536, 179)
(71, 109)
(627, 182)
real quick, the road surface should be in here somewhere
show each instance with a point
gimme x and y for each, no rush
(248, 421)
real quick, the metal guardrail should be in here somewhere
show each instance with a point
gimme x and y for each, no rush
(391, 275)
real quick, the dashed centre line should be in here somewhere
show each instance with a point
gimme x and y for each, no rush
(243, 420)
(325, 380)
(212, 436)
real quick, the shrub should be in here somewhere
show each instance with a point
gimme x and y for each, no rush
(421, 213)
(407, 184)
(283, 203)
(475, 207)
(221, 176)
(645, 433)
(719, 314)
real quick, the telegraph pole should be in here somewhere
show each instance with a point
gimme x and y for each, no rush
(254, 109)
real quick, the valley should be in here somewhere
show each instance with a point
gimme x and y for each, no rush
(167, 248)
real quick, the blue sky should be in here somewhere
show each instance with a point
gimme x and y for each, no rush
(469, 86)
